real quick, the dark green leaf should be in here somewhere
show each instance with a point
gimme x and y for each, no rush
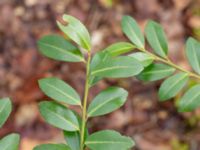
(5, 110)
(73, 139)
(10, 142)
(52, 147)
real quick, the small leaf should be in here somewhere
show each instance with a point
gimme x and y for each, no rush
(52, 147)
(171, 86)
(193, 54)
(156, 38)
(10, 142)
(156, 72)
(73, 139)
(108, 140)
(118, 67)
(59, 90)
(107, 101)
(76, 31)
(144, 58)
(59, 116)
(5, 110)
(132, 31)
(56, 47)
(190, 100)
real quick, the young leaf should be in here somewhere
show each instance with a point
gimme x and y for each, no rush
(118, 67)
(156, 72)
(171, 86)
(144, 58)
(132, 31)
(73, 139)
(193, 54)
(76, 31)
(56, 47)
(156, 38)
(59, 116)
(59, 90)
(52, 147)
(5, 110)
(107, 101)
(10, 142)
(190, 100)
(108, 140)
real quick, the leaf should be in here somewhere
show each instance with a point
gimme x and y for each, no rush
(193, 54)
(156, 72)
(190, 100)
(108, 140)
(118, 67)
(52, 147)
(56, 47)
(132, 31)
(10, 142)
(5, 110)
(119, 48)
(107, 101)
(59, 116)
(171, 86)
(76, 31)
(156, 38)
(59, 90)
(73, 139)
(144, 58)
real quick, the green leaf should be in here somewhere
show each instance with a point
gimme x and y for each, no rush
(132, 31)
(56, 47)
(193, 54)
(119, 48)
(10, 142)
(59, 116)
(171, 86)
(107, 101)
(118, 67)
(73, 139)
(190, 100)
(52, 147)
(76, 31)
(59, 90)
(5, 110)
(156, 72)
(108, 140)
(156, 38)
(144, 58)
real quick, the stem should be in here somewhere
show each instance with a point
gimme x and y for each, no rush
(84, 109)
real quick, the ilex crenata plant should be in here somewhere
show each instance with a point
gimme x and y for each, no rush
(104, 64)
(158, 65)
(11, 141)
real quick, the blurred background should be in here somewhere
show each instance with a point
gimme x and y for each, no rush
(153, 125)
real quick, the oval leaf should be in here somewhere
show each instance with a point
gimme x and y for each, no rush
(108, 139)
(107, 101)
(5, 110)
(156, 72)
(10, 142)
(59, 90)
(76, 31)
(56, 47)
(171, 86)
(52, 147)
(156, 38)
(132, 31)
(59, 116)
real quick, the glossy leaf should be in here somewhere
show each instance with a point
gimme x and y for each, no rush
(52, 147)
(156, 72)
(5, 110)
(107, 101)
(171, 86)
(56, 47)
(156, 38)
(10, 142)
(190, 100)
(59, 91)
(132, 31)
(76, 31)
(108, 140)
(193, 54)
(59, 116)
